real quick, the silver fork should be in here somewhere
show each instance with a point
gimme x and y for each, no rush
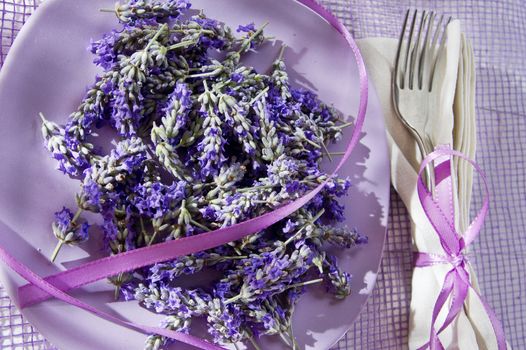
(414, 71)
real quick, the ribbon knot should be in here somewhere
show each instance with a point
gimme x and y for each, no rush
(440, 211)
(459, 260)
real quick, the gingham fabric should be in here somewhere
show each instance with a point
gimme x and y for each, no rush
(498, 32)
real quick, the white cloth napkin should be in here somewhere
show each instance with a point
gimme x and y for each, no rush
(472, 329)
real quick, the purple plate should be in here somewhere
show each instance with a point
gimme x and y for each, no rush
(47, 71)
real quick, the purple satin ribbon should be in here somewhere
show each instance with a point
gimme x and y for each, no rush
(440, 211)
(40, 289)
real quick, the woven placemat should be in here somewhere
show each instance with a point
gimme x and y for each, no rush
(498, 32)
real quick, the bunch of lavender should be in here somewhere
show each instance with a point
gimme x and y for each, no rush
(203, 141)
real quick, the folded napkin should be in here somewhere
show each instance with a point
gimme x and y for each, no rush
(472, 328)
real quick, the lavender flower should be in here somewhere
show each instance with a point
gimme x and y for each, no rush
(225, 322)
(203, 141)
(241, 125)
(338, 236)
(104, 50)
(271, 273)
(156, 199)
(272, 147)
(212, 145)
(227, 179)
(247, 29)
(339, 282)
(186, 265)
(71, 161)
(137, 10)
(67, 230)
(176, 119)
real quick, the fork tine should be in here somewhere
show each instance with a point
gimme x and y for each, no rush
(397, 70)
(408, 49)
(425, 48)
(437, 32)
(442, 46)
(416, 53)
(433, 51)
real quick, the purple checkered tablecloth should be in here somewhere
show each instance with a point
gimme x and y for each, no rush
(498, 32)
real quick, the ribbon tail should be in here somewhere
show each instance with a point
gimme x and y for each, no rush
(447, 288)
(495, 323)
(460, 292)
(38, 281)
(435, 343)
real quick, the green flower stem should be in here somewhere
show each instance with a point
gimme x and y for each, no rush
(233, 299)
(57, 249)
(237, 251)
(155, 37)
(326, 151)
(282, 52)
(224, 258)
(256, 201)
(314, 144)
(295, 285)
(255, 188)
(252, 37)
(258, 96)
(117, 292)
(203, 227)
(154, 158)
(202, 31)
(286, 340)
(143, 230)
(320, 213)
(154, 236)
(253, 342)
(182, 44)
(60, 242)
(266, 187)
(343, 126)
(118, 285)
(76, 216)
(205, 75)
(295, 345)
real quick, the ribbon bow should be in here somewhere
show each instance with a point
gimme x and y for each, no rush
(439, 210)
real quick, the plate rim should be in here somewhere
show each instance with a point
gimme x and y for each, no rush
(10, 63)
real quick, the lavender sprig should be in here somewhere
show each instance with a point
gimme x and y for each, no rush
(212, 145)
(73, 157)
(149, 10)
(67, 230)
(203, 141)
(271, 273)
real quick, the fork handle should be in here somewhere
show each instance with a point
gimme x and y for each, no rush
(429, 174)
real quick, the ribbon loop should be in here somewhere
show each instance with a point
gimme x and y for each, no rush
(440, 212)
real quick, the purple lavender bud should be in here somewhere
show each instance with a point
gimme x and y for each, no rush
(237, 78)
(83, 231)
(247, 28)
(63, 218)
(106, 56)
(209, 213)
(92, 193)
(290, 226)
